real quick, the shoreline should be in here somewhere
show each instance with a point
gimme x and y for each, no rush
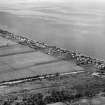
(77, 57)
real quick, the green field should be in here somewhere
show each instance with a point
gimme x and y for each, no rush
(18, 61)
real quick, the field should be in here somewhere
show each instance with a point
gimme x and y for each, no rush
(18, 61)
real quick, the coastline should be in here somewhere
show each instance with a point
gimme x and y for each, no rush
(76, 56)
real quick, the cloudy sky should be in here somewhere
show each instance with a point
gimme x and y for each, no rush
(27, 1)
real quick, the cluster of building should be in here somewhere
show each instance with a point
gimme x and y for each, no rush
(61, 53)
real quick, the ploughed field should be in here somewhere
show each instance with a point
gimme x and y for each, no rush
(17, 61)
(75, 85)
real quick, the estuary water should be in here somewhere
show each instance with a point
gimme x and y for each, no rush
(73, 25)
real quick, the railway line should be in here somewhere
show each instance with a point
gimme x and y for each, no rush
(37, 77)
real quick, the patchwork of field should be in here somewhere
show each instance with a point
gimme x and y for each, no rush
(18, 61)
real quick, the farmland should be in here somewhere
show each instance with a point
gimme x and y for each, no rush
(19, 61)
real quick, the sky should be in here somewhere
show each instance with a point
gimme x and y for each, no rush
(27, 1)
